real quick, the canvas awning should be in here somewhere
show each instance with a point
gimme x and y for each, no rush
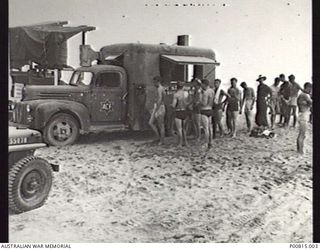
(112, 57)
(44, 44)
(189, 59)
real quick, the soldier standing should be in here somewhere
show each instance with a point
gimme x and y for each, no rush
(217, 108)
(182, 113)
(248, 103)
(196, 116)
(263, 94)
(304, 102)
(233, 82)
(206, 110)
(274, 101)
(158, 112)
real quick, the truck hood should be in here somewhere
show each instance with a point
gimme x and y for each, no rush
(53, 92)
(23, 136)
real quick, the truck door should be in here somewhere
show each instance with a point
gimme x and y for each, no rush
(108, 97)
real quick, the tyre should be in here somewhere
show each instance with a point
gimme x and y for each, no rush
(61, 130)
(30, 181)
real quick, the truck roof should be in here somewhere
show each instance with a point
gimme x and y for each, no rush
(158, 48)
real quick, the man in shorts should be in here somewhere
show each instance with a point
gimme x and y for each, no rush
(158, 112)
(294, 91)
(284, 93)
(248, 100)
(233, 82)
(206, 110)
(274, 101)
(218, 102)
(182, 113)
(233, 109)
(196, 116)
(304, 102)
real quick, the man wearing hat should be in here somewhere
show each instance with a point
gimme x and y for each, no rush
(263, 95)
(158, 113)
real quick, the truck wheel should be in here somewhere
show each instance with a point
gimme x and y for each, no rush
(30, 181)
(61, 130)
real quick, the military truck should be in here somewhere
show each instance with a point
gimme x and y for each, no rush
(117, 93)
(30, 177)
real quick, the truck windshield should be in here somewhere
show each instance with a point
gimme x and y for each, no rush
(81, 78)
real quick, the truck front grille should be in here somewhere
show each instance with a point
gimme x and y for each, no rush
(20, 114)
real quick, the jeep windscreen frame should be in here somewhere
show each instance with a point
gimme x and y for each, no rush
(81, 78)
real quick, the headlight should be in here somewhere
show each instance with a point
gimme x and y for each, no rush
(28, 108)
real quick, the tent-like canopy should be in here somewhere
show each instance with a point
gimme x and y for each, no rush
(189, 59)
(44, 44)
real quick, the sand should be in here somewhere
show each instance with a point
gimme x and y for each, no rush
(120, 187)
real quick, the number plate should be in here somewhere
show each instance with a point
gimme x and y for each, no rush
(18, 140)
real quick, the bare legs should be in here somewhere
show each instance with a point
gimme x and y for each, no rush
(216, 123)
(207, 125)
(228, 121)
(196, 118)
(233, 122)
(293, 111)
(181, 129)
(160, 121)
(301, 136)
(248, 114)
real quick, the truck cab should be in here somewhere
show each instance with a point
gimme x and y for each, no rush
(105, 91)
(95, 97)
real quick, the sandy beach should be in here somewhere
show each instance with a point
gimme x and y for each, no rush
(122, 188)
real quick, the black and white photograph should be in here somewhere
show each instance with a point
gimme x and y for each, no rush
(160, 121)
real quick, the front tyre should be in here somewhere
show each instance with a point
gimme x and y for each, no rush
(30, 181)
(61, 130)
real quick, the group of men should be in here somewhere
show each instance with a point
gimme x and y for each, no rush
(204, 105)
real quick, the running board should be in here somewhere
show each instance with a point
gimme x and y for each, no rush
(108, 128)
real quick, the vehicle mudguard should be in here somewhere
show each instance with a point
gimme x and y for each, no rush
(46, 110)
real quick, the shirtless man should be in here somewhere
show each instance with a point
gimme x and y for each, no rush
(275, 100)
(206, 110)
(182, 113)
(196, 116)
(233, 82)
(284, 95)
(304, 102)
(248, 100)
(218, 102)
(158, 113)
(294, 91)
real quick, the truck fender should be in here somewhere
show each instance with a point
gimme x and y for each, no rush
(45, 111)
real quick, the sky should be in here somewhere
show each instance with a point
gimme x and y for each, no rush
(249, 37)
